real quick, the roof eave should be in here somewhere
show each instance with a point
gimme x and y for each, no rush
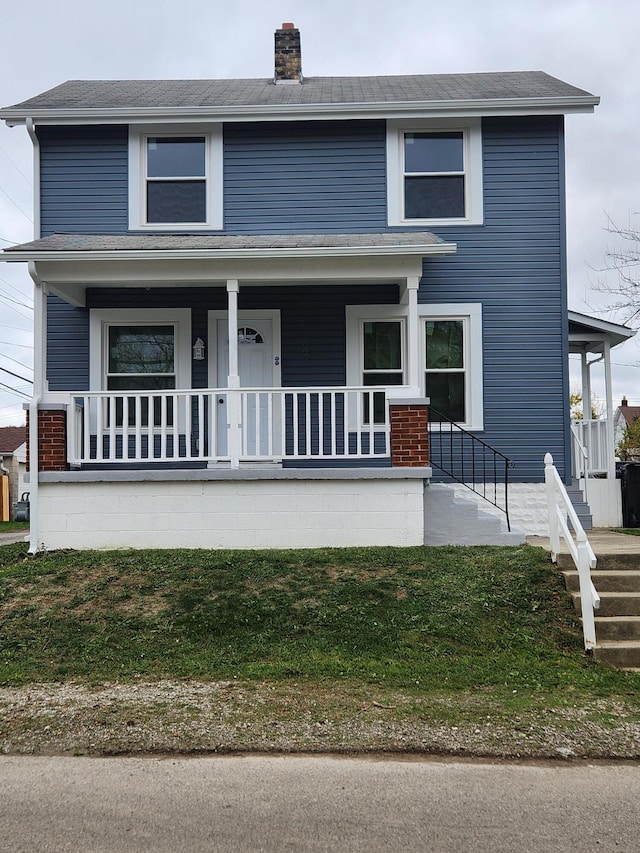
(438, 249)
(284, 112)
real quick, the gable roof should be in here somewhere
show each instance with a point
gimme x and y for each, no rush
(628, 413)
(11, 438)
(483, 93)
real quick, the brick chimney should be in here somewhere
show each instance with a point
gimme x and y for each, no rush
(288, 56)
(624, 402)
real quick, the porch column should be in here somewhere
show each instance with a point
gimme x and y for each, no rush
(611, 450)
(410, 298)
(39, 387)
(233, 379)
(585, 374)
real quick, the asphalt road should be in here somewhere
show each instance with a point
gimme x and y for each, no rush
(314, 804)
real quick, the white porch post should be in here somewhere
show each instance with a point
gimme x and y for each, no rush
(39, 387)
(586, 386)
(233, 379)
(410, 297)
(611, 450)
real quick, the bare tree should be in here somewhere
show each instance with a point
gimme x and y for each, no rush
(624, 260)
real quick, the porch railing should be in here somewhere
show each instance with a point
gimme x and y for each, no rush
(228, 426)
(590, 447)
(469, 460)
(560, 509)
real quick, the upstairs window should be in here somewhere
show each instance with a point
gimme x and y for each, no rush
(434, 175)
(434, 172)
(175, 180)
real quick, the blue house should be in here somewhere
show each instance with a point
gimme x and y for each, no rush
(288, 311)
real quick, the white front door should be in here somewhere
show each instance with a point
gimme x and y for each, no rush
(258, 367)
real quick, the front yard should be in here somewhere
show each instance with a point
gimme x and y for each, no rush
(463, 650)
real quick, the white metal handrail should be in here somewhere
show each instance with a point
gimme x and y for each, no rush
(560, 509)
(228, 425)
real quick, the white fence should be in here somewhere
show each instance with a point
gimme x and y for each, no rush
(228, 425)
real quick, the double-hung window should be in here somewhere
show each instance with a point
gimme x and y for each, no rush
(175, 179)
(434, 172)
(382, 348)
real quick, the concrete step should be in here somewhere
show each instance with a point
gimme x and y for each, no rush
(451, 519)
(623, 654)
(613, 603)
(606, 581)
(606, 562)
(617, 628)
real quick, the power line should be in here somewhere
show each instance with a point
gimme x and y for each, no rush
(10, 242)
(14, 344)
(14, 391)
(15, 204)
(13, 162)
(17, 376)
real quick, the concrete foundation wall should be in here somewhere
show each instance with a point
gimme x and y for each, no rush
(231, 514)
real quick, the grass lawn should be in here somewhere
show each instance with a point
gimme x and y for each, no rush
(415, 618)
(631, 531)
(13, 525)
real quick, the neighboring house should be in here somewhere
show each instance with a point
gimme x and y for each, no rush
(625, 415)
(249, 290)
(13, 461)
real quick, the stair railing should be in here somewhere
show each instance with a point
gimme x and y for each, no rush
(469, 460)
(560, 509)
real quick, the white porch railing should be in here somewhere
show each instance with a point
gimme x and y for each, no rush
(590, 447)
(228, 426)
(560, 509)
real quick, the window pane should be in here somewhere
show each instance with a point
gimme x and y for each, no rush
(176, 201)
(434, 198)
(176, 157)
(444, 344)
(382, 379)
(446, 392)
(433, 152)
(141, 349)
(382, 346)
(140, 383)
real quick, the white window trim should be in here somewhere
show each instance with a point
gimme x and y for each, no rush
(472, 135)
(100, 320)
(471, 314)
(356, 315)
(138, 136)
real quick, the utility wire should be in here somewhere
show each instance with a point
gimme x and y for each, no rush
(10, 242)
(14, 391)
(15, 204)
(13, 162)
(17, 376)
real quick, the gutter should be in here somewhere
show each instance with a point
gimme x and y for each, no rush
(228, 254)
(36, 174)
(285, 112)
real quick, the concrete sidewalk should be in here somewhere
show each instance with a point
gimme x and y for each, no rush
(602, 540)
(9, 537)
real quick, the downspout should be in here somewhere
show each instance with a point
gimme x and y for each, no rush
(39, 353)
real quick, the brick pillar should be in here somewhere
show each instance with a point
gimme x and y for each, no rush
(409, 437)
(52, 440)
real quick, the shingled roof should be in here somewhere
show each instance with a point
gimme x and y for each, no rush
(11, 438)
(330, 93)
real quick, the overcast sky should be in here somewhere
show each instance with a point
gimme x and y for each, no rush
(593, 45)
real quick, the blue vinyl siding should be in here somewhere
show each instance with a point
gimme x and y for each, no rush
(67, 346)
(83, 178)
(514, 266)
(331, 177)
(311, 177)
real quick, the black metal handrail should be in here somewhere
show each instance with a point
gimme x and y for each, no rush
(469, 460)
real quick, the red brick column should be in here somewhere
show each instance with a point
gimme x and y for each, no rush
(409, 437)
(52, 440)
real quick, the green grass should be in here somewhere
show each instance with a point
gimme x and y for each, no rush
(415, 619)
(631, 531)
(13, 525)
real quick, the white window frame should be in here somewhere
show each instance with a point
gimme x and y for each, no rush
(356, 317)
(471, 316)
(101, 319)
(471, 130)
(138, 137)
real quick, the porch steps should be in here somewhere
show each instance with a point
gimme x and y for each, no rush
(617, 580)
(451, 519)
(582, 508)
